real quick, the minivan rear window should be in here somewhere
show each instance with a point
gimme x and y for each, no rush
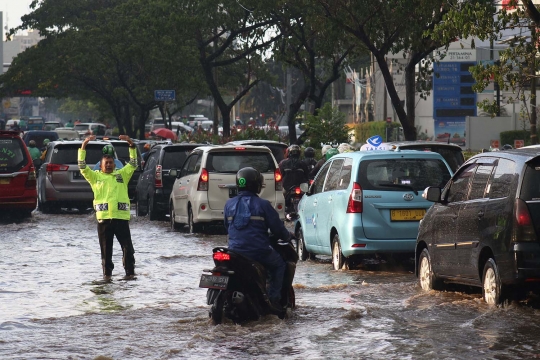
(232, 161)
(12, 155)
(530, 189)
(397, 174)
(453, 156)
(67, 154)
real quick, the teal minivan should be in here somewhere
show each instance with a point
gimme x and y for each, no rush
(367, 202)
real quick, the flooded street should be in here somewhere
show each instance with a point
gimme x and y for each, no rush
(53, 305)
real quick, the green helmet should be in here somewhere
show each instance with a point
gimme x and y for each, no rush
(108, 150)
(331, 152)
(46, 141)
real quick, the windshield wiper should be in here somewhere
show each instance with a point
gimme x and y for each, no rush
(403, 186)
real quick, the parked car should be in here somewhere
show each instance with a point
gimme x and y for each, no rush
(277, 148)
(483, 228)
(367, 202)
(67, 133)
(60, 183)
(38, 136)
(85, 129)
(17, 175)
(208, 179)
(155, 184)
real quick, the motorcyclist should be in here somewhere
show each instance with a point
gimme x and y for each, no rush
(294, 172)
(320, 163)
(309, 159)
(34, 151)
(247, 220)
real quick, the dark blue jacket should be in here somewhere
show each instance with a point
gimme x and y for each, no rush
(253, 238)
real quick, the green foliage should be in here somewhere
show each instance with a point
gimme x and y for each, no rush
(201, 136)
(364, 131)
(508, 137)
(328, 126)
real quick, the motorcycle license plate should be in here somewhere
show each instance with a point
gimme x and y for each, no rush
(214, 282)
(233, 192)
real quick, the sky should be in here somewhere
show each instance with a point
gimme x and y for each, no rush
(14, 9)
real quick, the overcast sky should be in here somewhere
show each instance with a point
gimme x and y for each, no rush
(14, 9)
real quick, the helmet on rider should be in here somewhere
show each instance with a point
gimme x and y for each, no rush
(46, 141)
(249, 179)
(507, 147)
(294, 151)
(309, 152)
(108, 151)
(331, 152)
(344, 147)
(32, 143)
(325, 148)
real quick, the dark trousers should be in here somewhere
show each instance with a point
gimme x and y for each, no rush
(107, 229)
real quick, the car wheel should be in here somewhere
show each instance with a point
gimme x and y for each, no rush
(139, 210)
(426, 278)
(491, 283)
(303, 254)
(192, 227)
(174, 225)
(338, 260)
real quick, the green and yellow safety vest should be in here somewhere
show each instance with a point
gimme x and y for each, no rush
(111, 200)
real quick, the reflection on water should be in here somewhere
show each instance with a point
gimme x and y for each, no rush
(54, 304)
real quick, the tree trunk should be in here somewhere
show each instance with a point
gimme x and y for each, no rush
(410, 92)
(293, 110)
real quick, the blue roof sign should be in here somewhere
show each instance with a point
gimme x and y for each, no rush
(164, 95)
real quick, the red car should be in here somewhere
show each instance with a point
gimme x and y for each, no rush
(18, 194)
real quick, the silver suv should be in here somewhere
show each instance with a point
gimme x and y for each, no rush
(60, 183)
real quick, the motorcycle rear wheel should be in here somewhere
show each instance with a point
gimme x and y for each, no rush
(217, 309)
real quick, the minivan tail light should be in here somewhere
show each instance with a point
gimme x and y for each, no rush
(56, 167)
(278, 180)
(203, 181)
(355, 199)
(159, 176)
(523, 224)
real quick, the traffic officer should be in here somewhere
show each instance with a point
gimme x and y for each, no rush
(111, 203)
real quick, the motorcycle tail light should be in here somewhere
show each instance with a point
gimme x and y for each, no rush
(220, 256)
(278, 180)
(203, 181)
(355, 200)
(523, 224)
(297, 191)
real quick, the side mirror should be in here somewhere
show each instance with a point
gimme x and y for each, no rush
(304, 187)
(432, 194)
(173, 173)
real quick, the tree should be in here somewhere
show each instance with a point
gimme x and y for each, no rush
(517, 65)
(388, 27)
(327, 126)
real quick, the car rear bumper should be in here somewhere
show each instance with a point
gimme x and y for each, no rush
(527, 260)
(354, 242)
(27, 201)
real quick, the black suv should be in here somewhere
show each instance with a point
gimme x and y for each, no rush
(155, 185)
(483, 229)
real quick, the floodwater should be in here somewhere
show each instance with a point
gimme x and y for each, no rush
(53, 306)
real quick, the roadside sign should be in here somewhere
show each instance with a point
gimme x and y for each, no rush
(519, 144)
(164, 95)
(494, 144)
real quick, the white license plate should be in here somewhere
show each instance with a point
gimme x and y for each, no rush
(214, 282)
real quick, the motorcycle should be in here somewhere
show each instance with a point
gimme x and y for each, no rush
(293, 197)
(237, 285)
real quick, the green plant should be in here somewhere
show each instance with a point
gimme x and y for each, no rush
(328, 126)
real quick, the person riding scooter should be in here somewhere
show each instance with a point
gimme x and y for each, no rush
(294, 172)
(247, 220)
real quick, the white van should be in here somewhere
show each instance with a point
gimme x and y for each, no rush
(67, 133)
